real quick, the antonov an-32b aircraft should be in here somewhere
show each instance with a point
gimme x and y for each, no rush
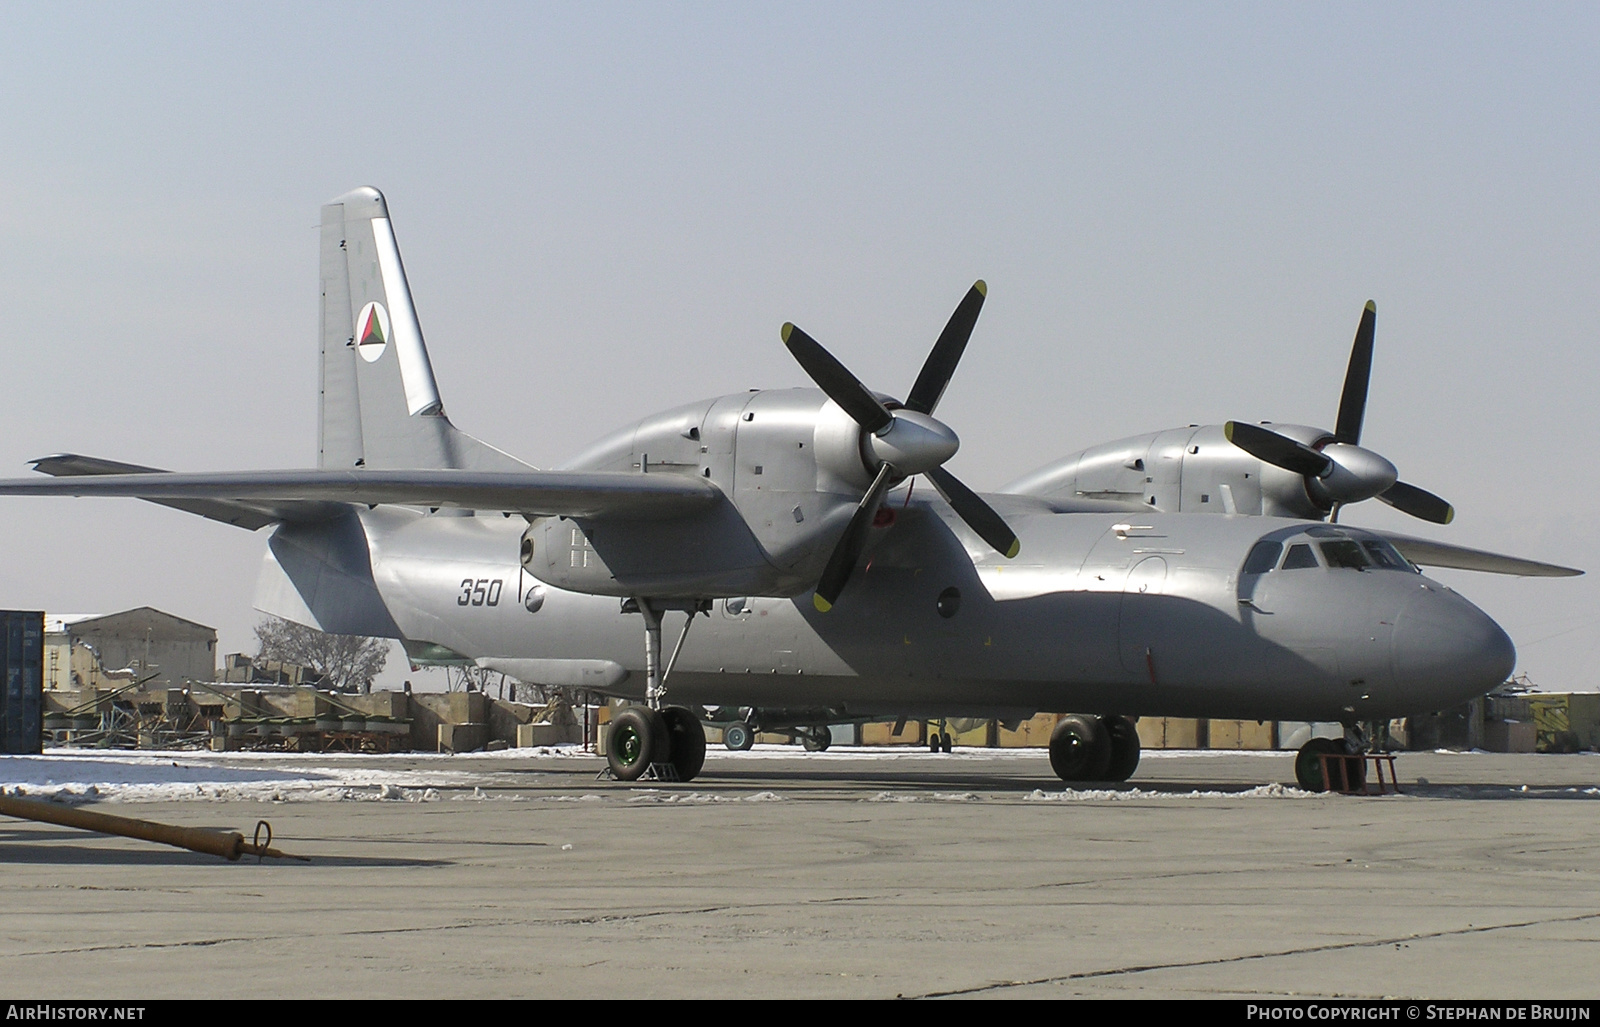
(826, 582)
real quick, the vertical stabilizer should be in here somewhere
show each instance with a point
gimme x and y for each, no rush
(380, 405)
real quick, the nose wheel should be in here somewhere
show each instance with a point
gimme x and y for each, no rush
(1346, 774)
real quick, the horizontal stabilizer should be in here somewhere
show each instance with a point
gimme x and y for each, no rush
(1429, 553)
(590, 494)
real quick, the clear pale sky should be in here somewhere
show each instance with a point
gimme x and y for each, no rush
(607, 209)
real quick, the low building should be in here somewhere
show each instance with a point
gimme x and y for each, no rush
(85, 651)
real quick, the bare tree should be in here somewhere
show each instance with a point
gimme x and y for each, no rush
(347, 663)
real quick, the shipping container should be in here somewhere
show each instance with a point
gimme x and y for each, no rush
(1565, 722)
(22, 665)
(1240, 734)
(1171, 733)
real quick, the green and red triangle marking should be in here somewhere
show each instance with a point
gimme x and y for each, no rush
(372, 331)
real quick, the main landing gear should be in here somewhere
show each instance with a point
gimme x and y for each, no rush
(1087, 748)
(670, 741)
(666, 741)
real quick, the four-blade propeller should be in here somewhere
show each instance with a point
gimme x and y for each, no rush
(1338, 470)
(905, 440)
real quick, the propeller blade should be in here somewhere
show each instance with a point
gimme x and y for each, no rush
(1353, 401)
(854, 539)
(841, 386)
(1418, 503)
(946, 353)
(980, 516)
(1277, 450)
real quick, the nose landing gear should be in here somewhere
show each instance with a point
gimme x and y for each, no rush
(1347, 774)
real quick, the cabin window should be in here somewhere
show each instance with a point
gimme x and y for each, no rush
(1345, 553)
(1263, 557)
(1300, 557)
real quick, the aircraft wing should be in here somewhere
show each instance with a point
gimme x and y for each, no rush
(1428, 553)
(249, 516)
(237, 496)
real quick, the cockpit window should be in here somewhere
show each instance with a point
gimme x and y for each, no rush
(1300, 557)
(1345, 553)
(1384, 555)
(1263, 557)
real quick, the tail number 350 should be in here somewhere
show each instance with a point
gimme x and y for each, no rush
(482, 592)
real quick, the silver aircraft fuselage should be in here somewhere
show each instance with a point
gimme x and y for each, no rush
(1117, 613)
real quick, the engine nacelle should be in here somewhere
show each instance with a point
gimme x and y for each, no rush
(1194, 469)
(792, 465)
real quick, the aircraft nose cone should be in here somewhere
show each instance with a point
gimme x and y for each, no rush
(1446, 651)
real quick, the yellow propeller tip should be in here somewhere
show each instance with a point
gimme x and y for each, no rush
(787, 328)
(822, 605)
(1372, 308)
(1016, 547)
(1449, 514)
(1227, 431)
(983, 289)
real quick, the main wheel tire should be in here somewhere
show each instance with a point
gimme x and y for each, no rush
(738, 737)
(947, 742)
(1308, 762)
(1124, 748)
(816, 739)
(1080, 749)
(636, 738)
(688, 742)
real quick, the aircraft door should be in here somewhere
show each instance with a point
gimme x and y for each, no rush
(1139, 623)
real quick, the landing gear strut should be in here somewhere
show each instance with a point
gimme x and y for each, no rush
(666, 740)
(1085, 748)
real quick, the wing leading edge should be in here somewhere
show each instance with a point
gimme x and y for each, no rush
(1428, 553)
(256, 498)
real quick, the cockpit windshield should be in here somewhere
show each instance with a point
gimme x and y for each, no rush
(1385, 556)
(1344, 553)
(1339, 551)
(1263, 557)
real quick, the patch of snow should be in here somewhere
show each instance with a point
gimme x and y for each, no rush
(1270, 791)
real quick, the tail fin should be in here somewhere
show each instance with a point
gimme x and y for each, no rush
(380, 405)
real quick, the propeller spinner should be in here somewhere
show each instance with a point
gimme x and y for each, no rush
(906, 440)
(1338, 470)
